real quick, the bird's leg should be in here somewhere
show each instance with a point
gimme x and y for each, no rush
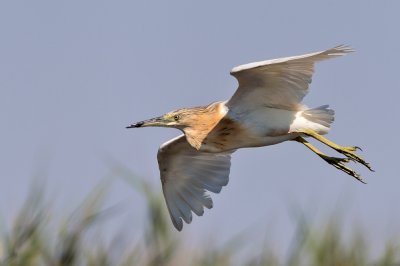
(349, 152)
(336, 162)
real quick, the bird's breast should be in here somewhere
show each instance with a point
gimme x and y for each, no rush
(222, 130)
(227, 134)
(231, 133)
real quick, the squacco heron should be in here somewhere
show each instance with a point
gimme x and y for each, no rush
(266, 109)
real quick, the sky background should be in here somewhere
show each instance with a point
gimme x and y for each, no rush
(73, 74)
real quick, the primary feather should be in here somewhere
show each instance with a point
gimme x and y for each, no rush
(279, 83)
(186, 175)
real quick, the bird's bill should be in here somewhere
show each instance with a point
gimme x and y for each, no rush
(154, 122)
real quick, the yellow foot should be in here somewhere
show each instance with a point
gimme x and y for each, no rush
(339, 163)
(349, 152)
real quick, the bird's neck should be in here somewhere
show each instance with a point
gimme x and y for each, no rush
(204, 124)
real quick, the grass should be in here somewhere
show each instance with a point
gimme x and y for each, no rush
(32, 239)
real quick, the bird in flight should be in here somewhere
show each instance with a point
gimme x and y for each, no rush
(266, 109)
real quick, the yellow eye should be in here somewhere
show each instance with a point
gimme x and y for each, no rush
(176, 117)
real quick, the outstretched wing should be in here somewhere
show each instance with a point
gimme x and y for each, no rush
(186, 175)
(278, 83)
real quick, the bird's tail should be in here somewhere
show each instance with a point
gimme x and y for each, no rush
(322, 118)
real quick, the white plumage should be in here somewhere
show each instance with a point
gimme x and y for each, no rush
(266, 109)
(186, 174)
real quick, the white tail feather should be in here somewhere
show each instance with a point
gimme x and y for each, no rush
(318, 119)
(321, 115)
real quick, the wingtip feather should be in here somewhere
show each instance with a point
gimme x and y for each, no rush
(341, 49)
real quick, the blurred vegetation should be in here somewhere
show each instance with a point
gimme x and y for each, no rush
(33, 241)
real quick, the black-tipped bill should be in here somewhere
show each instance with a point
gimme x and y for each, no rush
(154, 122)
(138, 124)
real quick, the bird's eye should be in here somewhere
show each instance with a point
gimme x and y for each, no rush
(176, 117)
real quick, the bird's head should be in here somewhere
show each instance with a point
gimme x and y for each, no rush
(195, 122)
(180, 119)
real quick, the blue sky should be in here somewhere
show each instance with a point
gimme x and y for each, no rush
(73, 74)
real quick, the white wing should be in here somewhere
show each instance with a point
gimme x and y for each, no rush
(186, 174)
(278, 83)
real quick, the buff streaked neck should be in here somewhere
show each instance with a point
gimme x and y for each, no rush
(203, 121)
